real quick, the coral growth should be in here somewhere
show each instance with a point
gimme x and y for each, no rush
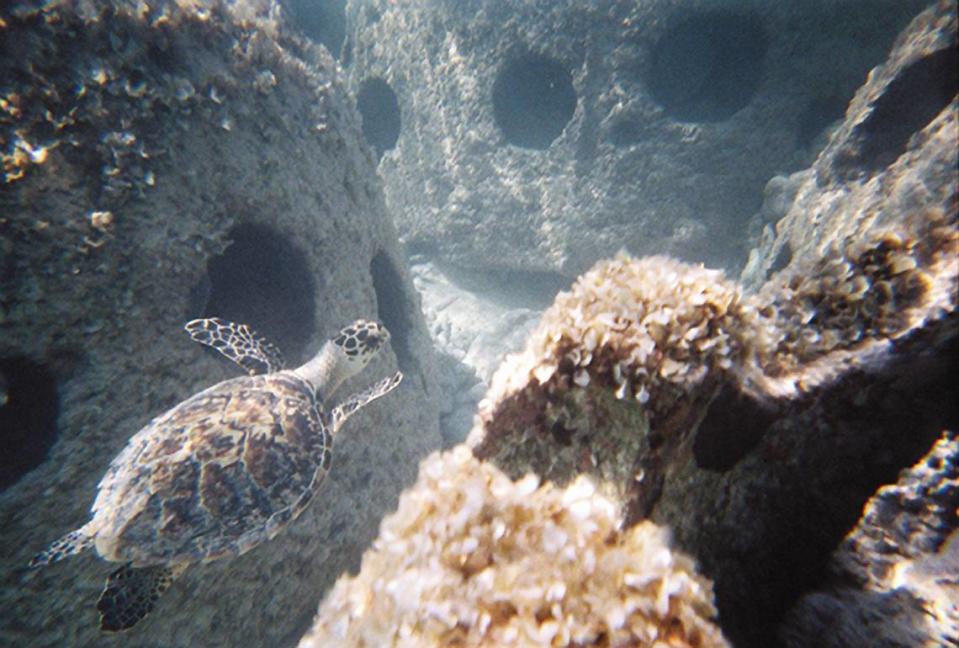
(650, 329)
(666, 335)
(614, 370)
(473, 558)
(862, 291)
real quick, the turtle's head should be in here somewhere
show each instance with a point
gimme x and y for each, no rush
(345, 355)
(359, 342)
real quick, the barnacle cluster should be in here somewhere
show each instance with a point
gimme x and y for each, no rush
(654, 329)
(473, 558)
(617, 372)
(98, 84)
(874, 288)
(650, 329)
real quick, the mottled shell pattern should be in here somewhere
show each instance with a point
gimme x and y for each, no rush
(216, 475)
(231, 466)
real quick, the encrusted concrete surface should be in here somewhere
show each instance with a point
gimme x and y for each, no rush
(545, 135)
(162, 163)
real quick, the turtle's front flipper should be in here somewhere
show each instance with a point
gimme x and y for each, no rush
(131, 592)
(341, 412)
(237, 342)
(72, 543)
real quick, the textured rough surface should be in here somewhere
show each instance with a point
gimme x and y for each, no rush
(894, 154)
(757, 424)
(474, 558)
(636, 345)
(653, 125)
(161, 164)
(903, 558)
(769, 493)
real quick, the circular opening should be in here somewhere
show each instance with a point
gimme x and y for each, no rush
(380, 111)
(708, 66)
(323, 21)
(914, 98)
(392, 306)
(533, 100)
(29, 408)
(263, 280)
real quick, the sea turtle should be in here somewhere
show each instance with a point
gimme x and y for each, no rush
(223, 471)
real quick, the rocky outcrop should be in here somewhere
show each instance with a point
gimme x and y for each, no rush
(756, 423)
(770, 493)
(893, 154)
(510, 130)
(165, 162)
(894, 581)
(473, 558)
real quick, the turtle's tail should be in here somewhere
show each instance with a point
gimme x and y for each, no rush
(72, 543)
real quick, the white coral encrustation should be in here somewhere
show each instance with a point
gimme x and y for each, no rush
(473, 558)
(639, 325)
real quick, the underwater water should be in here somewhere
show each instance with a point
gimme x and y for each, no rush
(479, 323)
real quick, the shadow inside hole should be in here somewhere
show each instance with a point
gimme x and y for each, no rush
(29, 407)
(913, 99)
(709, 65)
(263, 280)
(380, 112)
(392, 307)
(533, 100)
(734, 424)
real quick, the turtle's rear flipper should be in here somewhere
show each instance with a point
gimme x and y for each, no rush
(131, 592)
(343, 411)
(237, 342)
(70, 544)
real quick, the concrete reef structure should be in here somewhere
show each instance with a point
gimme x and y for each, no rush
(474, 558)
(611, 376)
(894, 580)
(756, 420)
(664, 337)
(613, 384)
(861, 273)
(508, 129)
(161, 161)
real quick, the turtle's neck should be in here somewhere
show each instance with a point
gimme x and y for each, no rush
(327, 369)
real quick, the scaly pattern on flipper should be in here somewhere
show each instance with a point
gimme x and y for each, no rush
(239, 343)
(344, 410)
(77, 541)
(131, 592)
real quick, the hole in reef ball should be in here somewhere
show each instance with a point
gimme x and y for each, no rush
(533, 100)
(29, 407)
(392, 307)
(263, 280)
(380, 112)
(708, 66)
(913, 99)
